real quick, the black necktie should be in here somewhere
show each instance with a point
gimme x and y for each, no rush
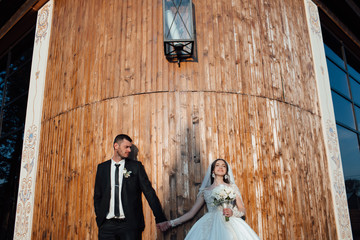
(117, 211)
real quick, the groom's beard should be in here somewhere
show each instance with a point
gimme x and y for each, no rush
(124, 155)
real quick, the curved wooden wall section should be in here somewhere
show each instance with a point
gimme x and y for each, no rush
(250, 98)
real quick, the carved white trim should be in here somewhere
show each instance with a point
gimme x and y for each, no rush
(328, 123)
(29, 158)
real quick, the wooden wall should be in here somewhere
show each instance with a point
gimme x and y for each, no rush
(250, 98)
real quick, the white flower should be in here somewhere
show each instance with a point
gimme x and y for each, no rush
(223, 196)
(126, 173)
(223, 193)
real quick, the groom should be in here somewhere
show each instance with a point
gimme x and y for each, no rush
(119, 185)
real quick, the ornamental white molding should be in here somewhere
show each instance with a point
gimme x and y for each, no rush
(338, 192)
(30, 151)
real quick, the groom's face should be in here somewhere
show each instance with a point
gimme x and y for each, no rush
(123, 148)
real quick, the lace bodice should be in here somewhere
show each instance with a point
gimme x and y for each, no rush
(209, 198)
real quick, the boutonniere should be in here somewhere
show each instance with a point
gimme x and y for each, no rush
(126, 173)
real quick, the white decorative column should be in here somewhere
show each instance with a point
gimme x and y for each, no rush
(30, 151)
(338, 191)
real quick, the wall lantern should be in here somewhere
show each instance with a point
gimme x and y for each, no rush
(178, 30)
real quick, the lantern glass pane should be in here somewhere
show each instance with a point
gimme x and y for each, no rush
(178, 19)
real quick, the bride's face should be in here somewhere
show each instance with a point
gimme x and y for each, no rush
(220, 168)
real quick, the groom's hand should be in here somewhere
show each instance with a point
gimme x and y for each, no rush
(163, 226)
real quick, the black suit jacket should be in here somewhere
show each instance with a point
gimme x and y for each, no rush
(132, 188)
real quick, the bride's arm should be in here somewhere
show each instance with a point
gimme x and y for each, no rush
(190, 214)
(240, 211)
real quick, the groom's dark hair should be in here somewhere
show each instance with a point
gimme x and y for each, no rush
(213, 167)
(121, 137)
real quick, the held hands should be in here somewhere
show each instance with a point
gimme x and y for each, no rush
(227, 212)
(163, 226)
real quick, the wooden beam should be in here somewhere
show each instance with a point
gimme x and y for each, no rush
(354, 7)
(337, 21)
(29, 5)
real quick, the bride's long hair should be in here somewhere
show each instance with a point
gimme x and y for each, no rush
(226, 179)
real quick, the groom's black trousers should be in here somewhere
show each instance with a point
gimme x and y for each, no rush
(116, 229)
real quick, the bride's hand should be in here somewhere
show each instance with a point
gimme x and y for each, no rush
(163, 226)
(227, 212)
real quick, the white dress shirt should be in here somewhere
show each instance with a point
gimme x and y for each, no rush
(112, 191)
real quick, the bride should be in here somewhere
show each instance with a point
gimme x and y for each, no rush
(220, 222)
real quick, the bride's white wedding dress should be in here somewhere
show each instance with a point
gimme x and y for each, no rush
(212, 226)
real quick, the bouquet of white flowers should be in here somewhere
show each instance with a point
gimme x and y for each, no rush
(225, 196)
